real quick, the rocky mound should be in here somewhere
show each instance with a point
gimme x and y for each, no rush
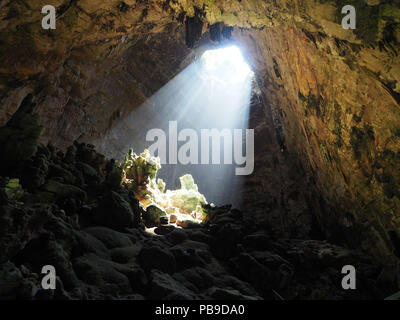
(68, 210)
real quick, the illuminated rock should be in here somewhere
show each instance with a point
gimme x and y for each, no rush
(153, 215)
(172, 218)
(140, 175)
(187, 182)
(13, 189)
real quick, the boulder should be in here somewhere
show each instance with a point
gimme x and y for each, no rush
(101, 273)
(188, 224)
(114, 212)
(253, 271)
(188, 254)
(228, 294)
(177, 236)
(155, 257)
(164, 229)
(200, 236)
(125, 254)
(20, 137)
(163, 286)
(110, 238)
(10, 280)
(258, 241)
(164, 220)
(199, 277)
(61, 190)
(57, 171)
(87, 243)
(153, 216)
(90, 175)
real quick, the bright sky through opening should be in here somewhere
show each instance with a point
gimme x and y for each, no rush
(225, 65)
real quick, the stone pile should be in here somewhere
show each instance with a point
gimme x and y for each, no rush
(69, 210)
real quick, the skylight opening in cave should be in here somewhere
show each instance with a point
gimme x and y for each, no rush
(225, 65)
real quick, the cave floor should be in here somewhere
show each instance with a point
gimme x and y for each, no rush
(93, 233)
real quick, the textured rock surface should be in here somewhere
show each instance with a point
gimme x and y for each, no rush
(113, 256)
(329, 97)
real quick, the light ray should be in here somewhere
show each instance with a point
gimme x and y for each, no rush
(212, 93)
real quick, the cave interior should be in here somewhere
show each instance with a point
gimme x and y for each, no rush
(80, 193)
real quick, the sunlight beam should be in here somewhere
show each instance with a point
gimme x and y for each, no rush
(213, 93)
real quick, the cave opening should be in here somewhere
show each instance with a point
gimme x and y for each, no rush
(225, 65)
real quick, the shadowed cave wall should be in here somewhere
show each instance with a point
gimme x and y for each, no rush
(326, 115)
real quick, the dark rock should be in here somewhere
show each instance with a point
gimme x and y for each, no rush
(137, 278)
(35, 171)
(179, 295)
(388, 279)
(70, 155)
(228, 236)
(134, 296)
(87, 215)
(137, 209)
(312, 253)
(177, 236)
(164, 229)
(201, 236)
(199, 277)
(110, 238)
(28, 289)
(162, 285)
(87, 243)
(257, 241)
(87, 154)
(185, 282)
(90, 175)
(157, 258)
(101, 273)
(193, 245)
(187, 254)
(254, 272)
(188, 224)
(19, 138)
(228, 294)
(60, 293)
(47, 250)
(225, 280)
(114, 175)
(18, 225)
(10, 280)
(56, 170)
(43, 294)
(61, 190)
(163, 220)
(282, 271)
(224, 219)
(114, 212)
(70, 205)
(123, 255)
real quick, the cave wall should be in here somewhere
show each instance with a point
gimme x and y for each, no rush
(100, 53)
(327, 124)
(337, 96)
